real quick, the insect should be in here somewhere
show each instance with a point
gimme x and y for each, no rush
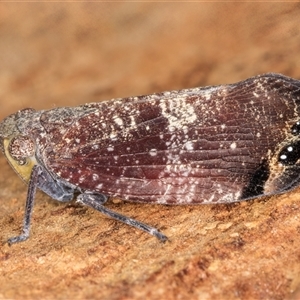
(217, 144)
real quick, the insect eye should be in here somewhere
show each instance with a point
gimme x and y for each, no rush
(290, 154)
(296, 128)
(21, 147)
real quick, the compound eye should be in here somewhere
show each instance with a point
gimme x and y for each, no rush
(20, 148)
(290, 154)
(296, 128)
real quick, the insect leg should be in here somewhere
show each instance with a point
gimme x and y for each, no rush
(32, 186)
(96, 201)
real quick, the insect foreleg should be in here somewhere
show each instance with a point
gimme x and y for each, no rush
(41, 179)
(96, 201)
(32, 185)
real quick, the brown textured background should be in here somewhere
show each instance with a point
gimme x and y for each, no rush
(65, 54)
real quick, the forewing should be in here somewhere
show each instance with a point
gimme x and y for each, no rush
(203, 145)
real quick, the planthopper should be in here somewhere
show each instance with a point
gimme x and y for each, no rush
(216, 144)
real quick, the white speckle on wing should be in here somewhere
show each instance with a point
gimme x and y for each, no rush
(189, 146)
(153, 152)
(118, 121)
(233, 146)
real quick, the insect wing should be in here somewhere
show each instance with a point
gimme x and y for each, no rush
(203, 145)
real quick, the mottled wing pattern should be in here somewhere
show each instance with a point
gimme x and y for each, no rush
(203, 145)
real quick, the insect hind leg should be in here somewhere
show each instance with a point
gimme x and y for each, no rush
(96, 201)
